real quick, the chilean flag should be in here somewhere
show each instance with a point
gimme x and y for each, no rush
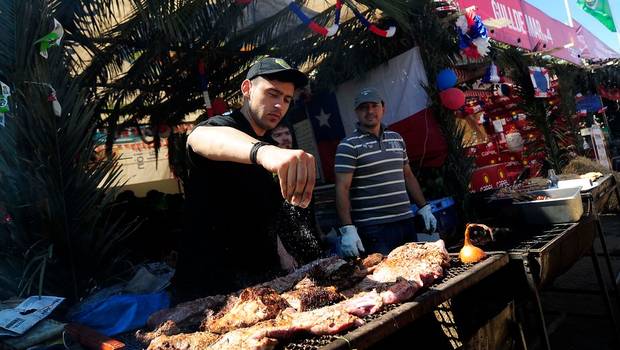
(326, 122)
(400, 82)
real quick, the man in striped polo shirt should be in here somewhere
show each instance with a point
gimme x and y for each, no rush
(373, 184)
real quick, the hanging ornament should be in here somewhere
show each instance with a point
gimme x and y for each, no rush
(373, 28)
(51, 39)
(204, 85)
(491, 75)
(51, 97)
(446, 79)
(444, 7)
(5, 92)
(514, 141)
(315, 27)
(585, 145)
(472, 34)
(55, 104)
(540, 81)
(504, 90)
(4, 97)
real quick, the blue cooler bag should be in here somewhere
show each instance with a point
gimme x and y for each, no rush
(120, 313)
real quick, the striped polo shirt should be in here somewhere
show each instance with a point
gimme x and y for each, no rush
(378, 193)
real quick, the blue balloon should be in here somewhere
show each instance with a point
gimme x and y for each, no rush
(446, 79)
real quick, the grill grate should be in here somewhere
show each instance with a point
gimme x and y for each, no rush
(313, 342)
(516, 241)
(540, 240)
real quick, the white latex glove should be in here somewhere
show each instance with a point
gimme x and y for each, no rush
(430, 223)
(350, 243)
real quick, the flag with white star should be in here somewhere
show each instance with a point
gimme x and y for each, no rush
(325, 117)
(326, 122)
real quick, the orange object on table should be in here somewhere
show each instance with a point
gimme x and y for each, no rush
(92, 339)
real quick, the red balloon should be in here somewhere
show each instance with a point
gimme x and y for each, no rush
(452, 98)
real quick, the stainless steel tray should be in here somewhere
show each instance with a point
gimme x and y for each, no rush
(564, 205)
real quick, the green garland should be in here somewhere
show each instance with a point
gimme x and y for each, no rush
(439, 49)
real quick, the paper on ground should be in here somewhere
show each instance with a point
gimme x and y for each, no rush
(16, 321)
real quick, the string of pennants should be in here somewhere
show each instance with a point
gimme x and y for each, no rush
(333, 29)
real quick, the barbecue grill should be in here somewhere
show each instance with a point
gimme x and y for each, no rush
(545, 253)
(553, 251)
(457, 278)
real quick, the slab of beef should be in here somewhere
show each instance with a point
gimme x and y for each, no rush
(167, 328)
(252, 306)
(189, 314)
(304, 299)
(405, 270)
(285, 283)
(364, 303)
(191, 341)
(330, 319)
(372, 260)
(341, 275)
(252, 338)
(414, 262)
(264, 335)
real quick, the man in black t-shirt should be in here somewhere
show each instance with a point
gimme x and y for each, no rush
(237, 183)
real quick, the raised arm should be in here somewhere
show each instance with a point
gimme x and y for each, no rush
(296, 169)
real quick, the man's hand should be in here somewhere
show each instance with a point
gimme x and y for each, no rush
(350, 242)
(430, 223)
(296, 170)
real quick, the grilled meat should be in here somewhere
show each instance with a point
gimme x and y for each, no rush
(191, 341)
(330, 319)
(405, 270)
(372, 260)
(189, 313)
(259, 316)
(285, 283)
(365, 303)
(167, 328)
(413, 262)
(399, 292)
(341, 275)
(252, 338)
(252, 306)
(304, 299)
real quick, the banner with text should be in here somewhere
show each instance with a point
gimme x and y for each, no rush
(530, 28)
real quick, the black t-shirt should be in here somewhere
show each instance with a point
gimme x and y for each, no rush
(229, 208)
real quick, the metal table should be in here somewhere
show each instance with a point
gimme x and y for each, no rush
(595, 199)
(550, 252)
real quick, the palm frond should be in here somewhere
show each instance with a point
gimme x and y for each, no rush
(8, 26)
(55, 194)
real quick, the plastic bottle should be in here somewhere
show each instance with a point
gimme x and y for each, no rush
(553, 179)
